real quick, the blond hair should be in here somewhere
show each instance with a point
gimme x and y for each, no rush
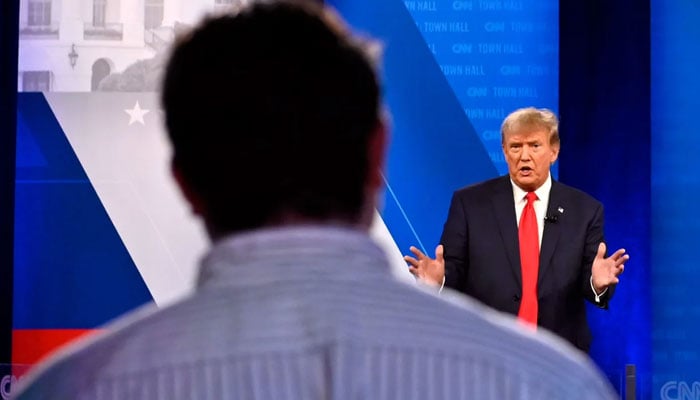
(531, 117)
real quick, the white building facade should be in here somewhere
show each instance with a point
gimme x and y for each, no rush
(71, 45)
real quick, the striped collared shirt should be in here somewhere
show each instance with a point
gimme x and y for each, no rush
(314, 313)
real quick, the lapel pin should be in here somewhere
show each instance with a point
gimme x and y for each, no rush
(561, 210)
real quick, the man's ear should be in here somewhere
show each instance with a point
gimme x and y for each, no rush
(195, 201)
(555, 154)
(376, 155)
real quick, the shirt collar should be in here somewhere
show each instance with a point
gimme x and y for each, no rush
(310, 252)
(542, 192)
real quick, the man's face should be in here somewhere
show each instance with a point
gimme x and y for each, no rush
(529, 156)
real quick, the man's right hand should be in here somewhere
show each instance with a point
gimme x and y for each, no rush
(427, 270)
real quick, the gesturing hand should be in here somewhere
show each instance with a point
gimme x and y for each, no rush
(428, 270)
(605, 271)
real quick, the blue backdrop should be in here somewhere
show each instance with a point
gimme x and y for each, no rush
(453, 70)
(606, 134)
(456, 68)
(675, 183)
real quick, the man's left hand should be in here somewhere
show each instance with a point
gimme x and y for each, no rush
(606, 271)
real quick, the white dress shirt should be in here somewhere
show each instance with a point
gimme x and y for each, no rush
(314, 313)
(540, 204)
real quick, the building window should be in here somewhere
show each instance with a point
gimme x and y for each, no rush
(154, 14)
(36, 81)
(101, 27)
(99, 13)
(100, 70)
(39, 13)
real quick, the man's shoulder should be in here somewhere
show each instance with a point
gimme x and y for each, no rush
(574, 194)
(451, 330)
(486, 187)
(68, 372)
(463, 333)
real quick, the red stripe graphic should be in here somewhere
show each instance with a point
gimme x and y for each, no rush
(29, 346)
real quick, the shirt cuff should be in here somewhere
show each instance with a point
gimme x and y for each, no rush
(597, 296)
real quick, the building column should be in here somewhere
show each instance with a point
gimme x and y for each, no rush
(133, 15)
(70, 20)
(171, 12)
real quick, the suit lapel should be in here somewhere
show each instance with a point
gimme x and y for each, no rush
(504, 209)
(551, 233)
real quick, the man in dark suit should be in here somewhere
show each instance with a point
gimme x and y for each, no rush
(525, 244)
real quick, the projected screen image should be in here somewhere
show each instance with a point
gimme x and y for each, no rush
(101, 227)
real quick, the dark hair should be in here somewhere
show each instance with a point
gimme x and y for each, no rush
(269, 112)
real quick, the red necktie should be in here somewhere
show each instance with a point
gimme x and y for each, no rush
(529, 260)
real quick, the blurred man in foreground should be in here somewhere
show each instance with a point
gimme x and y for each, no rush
(278, 144)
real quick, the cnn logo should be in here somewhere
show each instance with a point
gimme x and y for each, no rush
(674, 390)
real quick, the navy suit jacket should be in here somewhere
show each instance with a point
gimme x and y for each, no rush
(482, 256)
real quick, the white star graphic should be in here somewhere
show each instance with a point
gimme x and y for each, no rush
(136, 114)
